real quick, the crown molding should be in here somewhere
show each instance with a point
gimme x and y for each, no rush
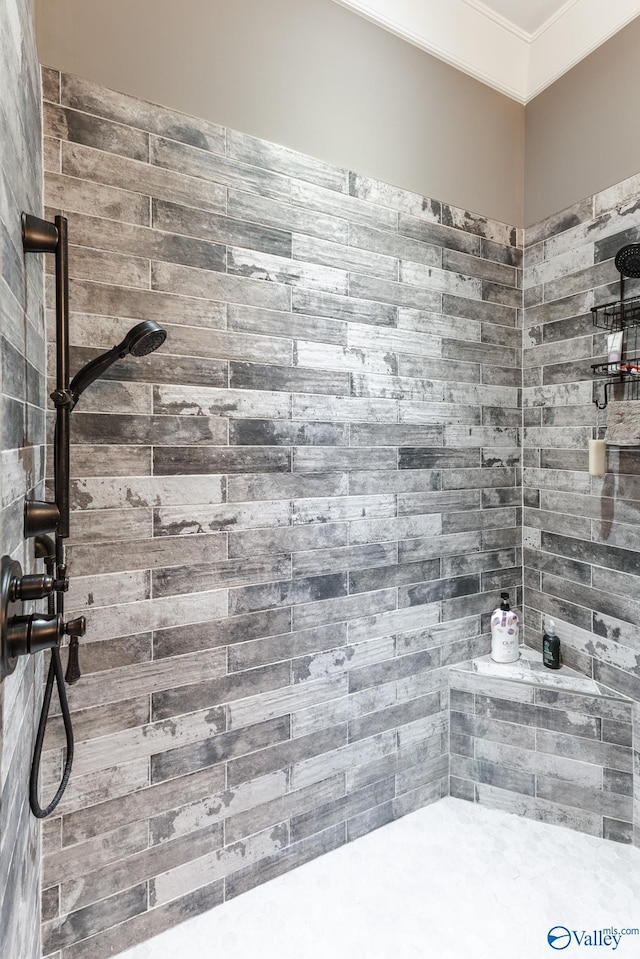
(458, 33)
(500, 20)
(548, 24)
(478, 41)
(582, 28)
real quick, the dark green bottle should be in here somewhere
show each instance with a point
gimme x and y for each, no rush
(551, 647)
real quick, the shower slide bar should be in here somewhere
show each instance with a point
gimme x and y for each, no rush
(22, 635)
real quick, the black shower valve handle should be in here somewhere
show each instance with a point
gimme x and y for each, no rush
(37, 586)
(73, 673)
(27, 635)
(75, 628)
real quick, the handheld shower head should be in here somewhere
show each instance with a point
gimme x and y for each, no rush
(141, 340)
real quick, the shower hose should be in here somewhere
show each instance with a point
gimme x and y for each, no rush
(55, 672)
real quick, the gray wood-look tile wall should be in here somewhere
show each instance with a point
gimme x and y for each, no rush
(286, 523)
(552, 755)
(581, 533)
(22, 444)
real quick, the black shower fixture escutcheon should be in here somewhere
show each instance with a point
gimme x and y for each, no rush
(25, 635)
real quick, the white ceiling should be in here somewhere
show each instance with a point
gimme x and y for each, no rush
(516, 46)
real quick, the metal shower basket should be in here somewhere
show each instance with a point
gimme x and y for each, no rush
(622, 315)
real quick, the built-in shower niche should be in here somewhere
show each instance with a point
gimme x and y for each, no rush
(553, 747)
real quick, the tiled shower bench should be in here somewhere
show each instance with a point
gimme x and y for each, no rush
(551, 745)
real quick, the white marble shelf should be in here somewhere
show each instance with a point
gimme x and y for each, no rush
(529, 669)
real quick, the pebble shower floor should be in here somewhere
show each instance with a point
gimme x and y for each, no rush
(451, 881)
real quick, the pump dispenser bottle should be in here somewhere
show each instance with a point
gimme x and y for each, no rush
(551, 647)
(505, 630)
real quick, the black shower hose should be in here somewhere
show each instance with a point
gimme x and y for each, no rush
(55, 671)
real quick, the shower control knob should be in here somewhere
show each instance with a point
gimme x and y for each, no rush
(32, 587)
(27, 635)
(23, 635)
(76, 627)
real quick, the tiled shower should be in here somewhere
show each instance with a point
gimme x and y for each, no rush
(293, 519)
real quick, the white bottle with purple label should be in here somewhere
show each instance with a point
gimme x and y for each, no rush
(505, 629)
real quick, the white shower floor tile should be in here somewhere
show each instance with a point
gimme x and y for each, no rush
(452, 881)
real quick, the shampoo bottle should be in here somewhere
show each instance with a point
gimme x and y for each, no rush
(551, 647)
(505, 629)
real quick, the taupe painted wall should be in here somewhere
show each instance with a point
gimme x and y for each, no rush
(307, 74)
(580, 134)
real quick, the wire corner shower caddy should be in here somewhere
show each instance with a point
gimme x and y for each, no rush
(620, 379)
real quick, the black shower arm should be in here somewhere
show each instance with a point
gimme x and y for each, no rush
(90, 373)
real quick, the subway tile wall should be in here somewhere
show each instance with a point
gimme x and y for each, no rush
(286, 523)
(22, 401)
(581, 533)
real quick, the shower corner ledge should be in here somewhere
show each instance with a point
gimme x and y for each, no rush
(530, 671)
